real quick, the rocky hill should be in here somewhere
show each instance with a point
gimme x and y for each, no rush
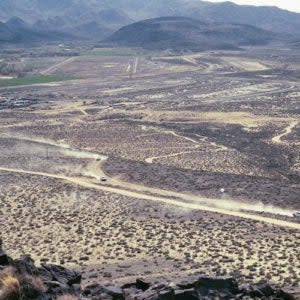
(180, 33)
(20, 279)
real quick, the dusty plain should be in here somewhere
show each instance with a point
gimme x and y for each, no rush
(179, 165)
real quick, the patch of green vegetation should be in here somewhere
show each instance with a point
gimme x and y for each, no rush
(117, 52)
(31, 80)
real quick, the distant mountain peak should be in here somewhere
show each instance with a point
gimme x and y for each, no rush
(16, 22)
(71, 15)
(187, 34)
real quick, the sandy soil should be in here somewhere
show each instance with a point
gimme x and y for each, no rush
(191, 165)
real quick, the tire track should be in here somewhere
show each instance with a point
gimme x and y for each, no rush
(165, 200)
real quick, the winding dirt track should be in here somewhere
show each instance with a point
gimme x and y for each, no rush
(182, 136)
(150, 160)
(288, 130)
(197, 145)
(183, 200)
(165, 200)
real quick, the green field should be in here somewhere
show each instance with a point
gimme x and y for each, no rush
(31, 80)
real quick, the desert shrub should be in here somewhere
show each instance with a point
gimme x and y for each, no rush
(10, 287)
(32, 286)
(14, 286)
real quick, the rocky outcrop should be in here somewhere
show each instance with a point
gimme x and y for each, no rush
(202, 288)
(21, 279)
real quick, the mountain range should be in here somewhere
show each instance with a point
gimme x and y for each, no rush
(17, 31)
(181, 33)
(97, 19)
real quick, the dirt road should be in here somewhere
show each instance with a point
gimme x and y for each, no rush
(49, 71)
(288, 130)
(197, 145)
(169, 201)
(181, 136)
(184, 200)
(150, 160)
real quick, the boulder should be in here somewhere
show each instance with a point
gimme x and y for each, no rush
(160, 286)
(56, 287)
(62, 274)
(45, 274)
(221, 283)
(288, 293)
(146, 295)
(128, 285)
(166, 295)
(188, 294)
(261, 291)
(92, 289)
(217, 283)
(112, 292)
(129, 293)
(115, 292)
(25, 264)
(142, 284)
(4, 258)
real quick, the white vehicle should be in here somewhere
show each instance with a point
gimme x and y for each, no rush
(102, 178)
(296, 214)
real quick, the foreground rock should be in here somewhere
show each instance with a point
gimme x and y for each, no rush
(21, 279)
(202, 288)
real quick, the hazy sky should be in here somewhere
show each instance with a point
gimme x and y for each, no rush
(293, 5)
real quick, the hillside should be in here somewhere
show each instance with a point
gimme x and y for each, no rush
(16, 30)
(117, 13)
(68, 13)
(179, 33)
(5, 33)
(21, 279)
(266, 17)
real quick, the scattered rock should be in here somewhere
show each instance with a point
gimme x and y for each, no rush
(92, 289)
(229, 284)
(260, 291)
(115, 292)
(25, 264)
(142, 284)
(189, 294)
(289, 293)
(50, 281)
(166, 294)
(45, 283)
(4, 259)
(62, 274)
